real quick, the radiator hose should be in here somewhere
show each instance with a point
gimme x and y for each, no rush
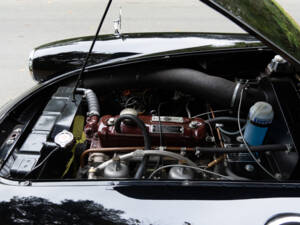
(92, 101)
(93, 113)
(139, 123)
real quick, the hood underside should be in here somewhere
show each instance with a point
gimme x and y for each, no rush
(266, 20)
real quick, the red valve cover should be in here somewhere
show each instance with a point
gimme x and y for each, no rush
(176, 131)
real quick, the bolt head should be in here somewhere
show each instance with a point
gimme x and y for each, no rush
(278, 176)
(249, 168)
(111, 121)
(194, 124)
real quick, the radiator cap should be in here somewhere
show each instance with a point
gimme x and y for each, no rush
(64, 139)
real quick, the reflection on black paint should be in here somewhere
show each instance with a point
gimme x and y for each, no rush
(33, 210)
(55, 58)
(268, 20)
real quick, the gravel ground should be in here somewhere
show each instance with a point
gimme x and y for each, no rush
(26, 24)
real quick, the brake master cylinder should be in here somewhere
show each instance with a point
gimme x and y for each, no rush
(260, 118)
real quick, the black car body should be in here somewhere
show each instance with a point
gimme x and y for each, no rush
(67, 160)
(48, 61)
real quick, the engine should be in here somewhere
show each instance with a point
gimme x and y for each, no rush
(231, 132)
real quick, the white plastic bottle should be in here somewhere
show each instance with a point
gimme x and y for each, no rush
(260, 118)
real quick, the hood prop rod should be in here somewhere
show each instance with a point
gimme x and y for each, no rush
(79, 78)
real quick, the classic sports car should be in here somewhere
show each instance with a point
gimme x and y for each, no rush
(159, 128)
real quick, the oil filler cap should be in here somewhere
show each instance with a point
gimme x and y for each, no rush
(64, 139)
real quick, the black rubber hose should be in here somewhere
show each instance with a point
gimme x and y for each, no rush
(242, 149)
(140, 171)
(224, 119)
(139, 123)
(147, 140)
(215, 89)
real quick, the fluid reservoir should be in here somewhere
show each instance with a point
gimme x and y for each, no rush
(260, 118)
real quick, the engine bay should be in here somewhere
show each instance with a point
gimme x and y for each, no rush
(213, 129)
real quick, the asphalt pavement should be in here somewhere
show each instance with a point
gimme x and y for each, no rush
(26, 24)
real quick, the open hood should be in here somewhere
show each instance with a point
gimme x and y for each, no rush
(266, 20)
